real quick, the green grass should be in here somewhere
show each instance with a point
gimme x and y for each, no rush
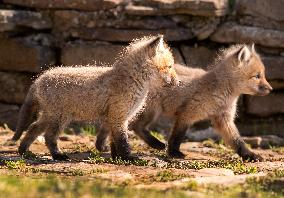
(97, 159)
(272, 183)
(235, 165)
(20, 164)
(88, 130)
(167, 175)
(279, 150)
(11, 186)
(157, 135)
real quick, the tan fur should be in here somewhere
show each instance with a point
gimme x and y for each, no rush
(153, 109)
(213, 95)
(109, 96)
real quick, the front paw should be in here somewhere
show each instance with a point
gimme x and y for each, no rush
(60, 157)
(158, 145)
(176, 154)
(102, 148)
(251, 157)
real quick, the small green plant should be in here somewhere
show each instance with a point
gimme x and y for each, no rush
(235, 165)
(210, 144)
(97, 159)
(157, 135)
(167, 175)
(77, 172)
(99, 170)
(191, 185)
(20, 164)
(88, 130)
(273, 182)
(279, 150)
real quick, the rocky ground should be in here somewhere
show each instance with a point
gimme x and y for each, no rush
(207, 164)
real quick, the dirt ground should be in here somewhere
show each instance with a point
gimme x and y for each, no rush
(206, 163)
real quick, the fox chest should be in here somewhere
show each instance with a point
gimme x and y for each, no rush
(136, 105)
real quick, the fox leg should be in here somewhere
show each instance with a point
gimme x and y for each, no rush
(102, 135)
(140, 127)
(33, 131)
(229, 132)
(51, 136)
(176, 138)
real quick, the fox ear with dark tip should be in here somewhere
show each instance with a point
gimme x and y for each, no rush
(244, 54)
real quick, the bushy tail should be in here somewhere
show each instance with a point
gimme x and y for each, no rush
(27, 114)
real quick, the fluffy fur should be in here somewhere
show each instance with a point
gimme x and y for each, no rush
(209, 95)
(108, 96)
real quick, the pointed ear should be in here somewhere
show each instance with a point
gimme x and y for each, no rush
(244, 54)
(157, 43)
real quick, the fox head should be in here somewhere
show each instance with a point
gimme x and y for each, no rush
(249, 72)
(153, 53)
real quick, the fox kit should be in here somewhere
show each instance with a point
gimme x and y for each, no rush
(144, 120)
(109, 96)
(212, 95)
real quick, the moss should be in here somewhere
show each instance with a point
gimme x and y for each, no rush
(272, 183)
(20, 164)
(64, 187)
(97, 159)
(235, 165)
(167, 175)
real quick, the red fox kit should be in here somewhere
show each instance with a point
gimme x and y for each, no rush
(210, 95)
(109, 96)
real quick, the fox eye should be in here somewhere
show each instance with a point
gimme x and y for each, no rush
(170, 66)
(257, 76)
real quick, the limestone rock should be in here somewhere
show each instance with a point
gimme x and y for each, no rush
(13, 20)
(263, 8)
(67, 19)
(167, 7)
(201, 135)
(83, 53)
(14, 86)
(29, 53)
(265, 106)
(127, 35)
(274, 67)
(71, 4)
(198, 56)
(264, 141)
(234, 33)
(9, 115)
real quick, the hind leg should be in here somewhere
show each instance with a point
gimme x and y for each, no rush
(140, 127)
(101, 139)
(51, 136)
(33, 131)
(176, 138)
(119, 141)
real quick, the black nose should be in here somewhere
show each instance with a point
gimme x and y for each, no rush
(265, 88)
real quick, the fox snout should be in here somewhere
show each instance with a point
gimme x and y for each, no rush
(264, 89)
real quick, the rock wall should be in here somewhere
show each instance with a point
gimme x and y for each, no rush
(36, 34)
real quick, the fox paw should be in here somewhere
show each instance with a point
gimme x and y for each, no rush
(176, 154)
(61, 157)
(158, 145)
(251, 157)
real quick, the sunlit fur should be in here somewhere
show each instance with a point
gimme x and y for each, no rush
(109, 96)
(209, 95)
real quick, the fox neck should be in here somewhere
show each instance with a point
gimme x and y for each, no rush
(224, 85)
